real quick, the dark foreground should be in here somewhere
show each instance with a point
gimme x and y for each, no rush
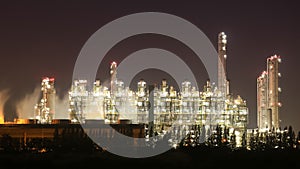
(179, 158)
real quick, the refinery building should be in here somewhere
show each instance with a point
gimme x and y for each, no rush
(161, 106)
(268, 90)
(158, 109)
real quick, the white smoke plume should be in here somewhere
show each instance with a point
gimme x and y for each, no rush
(25, 107)
(3, 98)
(61, 107)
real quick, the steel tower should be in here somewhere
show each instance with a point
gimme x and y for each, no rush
(268, 95)
(273, 89)
(113, 80)
(263, 115)
(222, 80)
(45, 109)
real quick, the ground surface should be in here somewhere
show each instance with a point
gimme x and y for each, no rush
(180, 158)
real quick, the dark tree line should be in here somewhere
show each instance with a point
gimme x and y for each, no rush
(275, 139)
(70, 139)
(75, 139)
(256, 140)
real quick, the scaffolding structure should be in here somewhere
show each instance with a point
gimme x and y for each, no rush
(45, 108)
(163, 109)
(268, 90)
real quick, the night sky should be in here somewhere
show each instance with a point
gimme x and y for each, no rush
(44, 38)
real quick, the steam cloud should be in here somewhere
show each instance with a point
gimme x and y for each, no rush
(25, 107)
(61, 107)
(3, 98)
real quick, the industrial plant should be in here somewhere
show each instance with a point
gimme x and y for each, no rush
(187, 117)
(174, 112)
(268, 90)
(45, 109)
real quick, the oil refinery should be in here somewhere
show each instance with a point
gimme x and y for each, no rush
(187, 117)
(268, 95)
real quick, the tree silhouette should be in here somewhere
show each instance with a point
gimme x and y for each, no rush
(202, 136)
(290, 137)
(298, 141)
(7, 143)
(244, 140)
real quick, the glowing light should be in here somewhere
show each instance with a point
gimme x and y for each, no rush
(43, 150)
(51, 79)
(139, 103)
(279, 60)
(279, 89)
(113, 64)
(237, 101)
(163, 95)
(21, 121)
(82, 81)
(3, 98)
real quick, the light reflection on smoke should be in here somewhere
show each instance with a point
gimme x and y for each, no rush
(25, 107)
(3, 98)
(61, 107)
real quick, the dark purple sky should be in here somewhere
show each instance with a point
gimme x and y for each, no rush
(44, 38)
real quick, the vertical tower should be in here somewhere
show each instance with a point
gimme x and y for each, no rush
(45, 109)
(222, 80)
(51, 94)
(97, 103)
(112, 102)
(263, 116)
(186, 105)
(268, 95)
(142, 102)
(164, 101)
(78, 101)
(273, 89)
(113, 80)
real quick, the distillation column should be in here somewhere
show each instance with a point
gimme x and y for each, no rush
(222, 80)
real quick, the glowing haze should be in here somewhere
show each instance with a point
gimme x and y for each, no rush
(3, 98)
(25, 107)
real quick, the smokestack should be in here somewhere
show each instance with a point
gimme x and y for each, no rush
(222, 80)
(113, 80)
